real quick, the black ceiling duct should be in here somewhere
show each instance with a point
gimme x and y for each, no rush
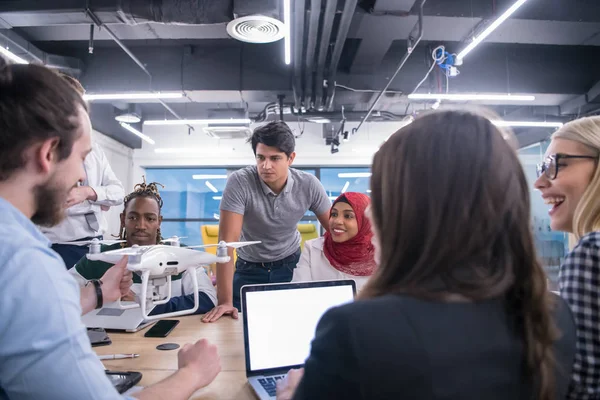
(23, 13)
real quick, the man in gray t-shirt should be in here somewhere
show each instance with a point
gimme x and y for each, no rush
(265, 202)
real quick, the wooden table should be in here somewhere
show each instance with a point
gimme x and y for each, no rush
(156, 365)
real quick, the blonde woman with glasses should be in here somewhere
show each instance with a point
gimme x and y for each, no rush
(569, 180)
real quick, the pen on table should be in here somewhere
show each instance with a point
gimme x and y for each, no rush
(117, 356)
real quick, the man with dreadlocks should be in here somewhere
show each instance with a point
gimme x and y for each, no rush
(140, 224)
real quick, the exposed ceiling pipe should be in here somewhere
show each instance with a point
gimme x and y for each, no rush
(21, 13)
(412, 44)
(99, 23)
(24, 49)
(311, 46)
(114, 37)
(325, 42)
(298, 46)
(344, 26)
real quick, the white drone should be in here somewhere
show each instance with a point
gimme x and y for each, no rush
(157, 263)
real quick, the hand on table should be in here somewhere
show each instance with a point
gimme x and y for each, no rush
(220, 310)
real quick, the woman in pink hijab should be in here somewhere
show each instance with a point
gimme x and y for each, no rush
(345, 251)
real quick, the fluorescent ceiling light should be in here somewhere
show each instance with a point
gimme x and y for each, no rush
(533, 124)
(368, 190)
(131, 96)
(197, 121)
(129, 118)
(12, 56)
(211, 186)
(345, 186)
(467, 96)
(137, 133)
(319, 120)
(209, 176)
(288, 35)
(481, 37)
(354, 175)
(217, 197)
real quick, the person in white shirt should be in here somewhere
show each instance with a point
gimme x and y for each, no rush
(345, 251)
(84, 217)
(85, 220)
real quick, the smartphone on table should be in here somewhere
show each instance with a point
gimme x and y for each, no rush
(162, 328)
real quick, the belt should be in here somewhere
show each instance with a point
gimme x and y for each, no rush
(271, 263)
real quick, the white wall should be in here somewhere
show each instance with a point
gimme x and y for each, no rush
(120, 158)
(310, 147)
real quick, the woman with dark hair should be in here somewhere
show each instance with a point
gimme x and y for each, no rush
(345, 251)
(458, 306)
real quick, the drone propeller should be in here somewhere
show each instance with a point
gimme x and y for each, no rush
(93, 241)
(116, 255)
(173, 239)
(235, 245)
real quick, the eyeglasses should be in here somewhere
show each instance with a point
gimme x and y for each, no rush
(550, 165)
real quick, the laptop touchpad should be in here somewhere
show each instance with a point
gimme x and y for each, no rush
(111, 312)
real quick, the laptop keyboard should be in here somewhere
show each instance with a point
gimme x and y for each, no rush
(270, 384)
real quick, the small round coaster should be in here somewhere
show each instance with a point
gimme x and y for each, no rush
(167, 346)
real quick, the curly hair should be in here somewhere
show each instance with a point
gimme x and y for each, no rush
(149, 190)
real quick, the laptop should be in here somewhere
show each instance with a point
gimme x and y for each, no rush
(112, 317)
(279, 325)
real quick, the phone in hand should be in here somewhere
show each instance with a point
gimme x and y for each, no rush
(162, 328)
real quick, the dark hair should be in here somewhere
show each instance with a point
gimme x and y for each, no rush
(274, 134)
(148, 190)
(450, 206)
(36, 104)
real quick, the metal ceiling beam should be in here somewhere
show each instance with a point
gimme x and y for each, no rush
(532, 69)
(325, 43)
(533, 135)
(584, 103)
(340, 40)
(377, 33)
(21, 47)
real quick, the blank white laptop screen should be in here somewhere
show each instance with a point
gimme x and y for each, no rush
(282, 323)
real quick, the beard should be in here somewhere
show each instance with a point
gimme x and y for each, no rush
(50, 200)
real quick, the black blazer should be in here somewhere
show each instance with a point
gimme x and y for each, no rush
(399, 347)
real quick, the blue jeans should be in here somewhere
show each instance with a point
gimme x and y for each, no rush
(250, 273)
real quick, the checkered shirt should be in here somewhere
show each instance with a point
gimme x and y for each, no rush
(579, 284)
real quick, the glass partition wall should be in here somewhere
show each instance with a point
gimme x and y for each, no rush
(192, 196)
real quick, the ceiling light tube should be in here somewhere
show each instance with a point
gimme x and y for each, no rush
(136, 132)
(470, 96)
(133, 96)
(12, 56)
(354, 175)
(346, 185)
(288, 35)
(200, 177)
(211, 186)
(531, 124)
(197, 121)
(481, 37)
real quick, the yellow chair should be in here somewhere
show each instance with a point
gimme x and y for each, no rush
(210, 235)
(307, 232)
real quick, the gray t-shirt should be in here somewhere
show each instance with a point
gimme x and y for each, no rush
(272, 218)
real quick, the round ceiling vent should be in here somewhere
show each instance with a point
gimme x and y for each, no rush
(256, 29)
